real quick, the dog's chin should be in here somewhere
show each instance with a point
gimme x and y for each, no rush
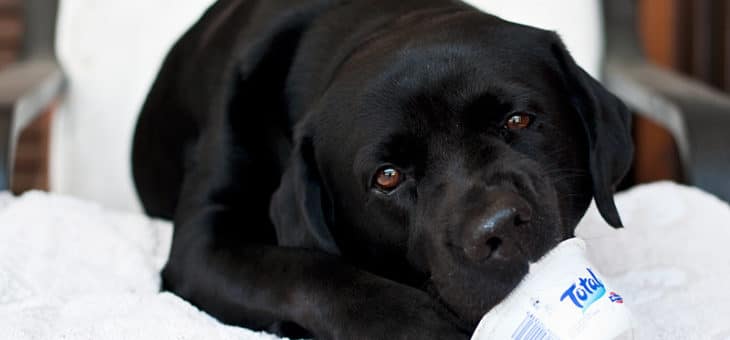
(469, 293)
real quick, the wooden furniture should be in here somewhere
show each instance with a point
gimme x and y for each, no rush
(29, 85)
(696, 116)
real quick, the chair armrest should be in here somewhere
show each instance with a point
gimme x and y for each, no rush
(696, 115)
(26, 89)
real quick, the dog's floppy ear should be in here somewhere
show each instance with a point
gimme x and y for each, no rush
(607, 123)
(300, 209)
(242, 53)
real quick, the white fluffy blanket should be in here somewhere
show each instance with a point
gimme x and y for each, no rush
(74, 270)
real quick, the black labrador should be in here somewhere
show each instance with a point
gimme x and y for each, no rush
(369, 169)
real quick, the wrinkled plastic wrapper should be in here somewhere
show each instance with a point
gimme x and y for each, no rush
(563, 297)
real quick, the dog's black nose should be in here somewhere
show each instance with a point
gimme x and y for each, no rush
(494, 236)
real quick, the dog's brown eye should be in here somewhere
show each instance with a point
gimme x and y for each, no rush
(388, 178)
(518, 121)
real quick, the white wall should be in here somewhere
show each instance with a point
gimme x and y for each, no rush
(111, 50)
(578, 22)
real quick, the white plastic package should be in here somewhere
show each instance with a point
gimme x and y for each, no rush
(562, 297)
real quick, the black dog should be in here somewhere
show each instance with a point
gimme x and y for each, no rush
(369, 169)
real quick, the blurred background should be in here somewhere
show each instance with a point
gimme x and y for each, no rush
(690, 37)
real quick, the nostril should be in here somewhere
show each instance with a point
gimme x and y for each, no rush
(493, 243)
(521, 219)
(483, 248)
(498, 228)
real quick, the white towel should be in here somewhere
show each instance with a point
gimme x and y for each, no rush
(672, 261)
(73, 270)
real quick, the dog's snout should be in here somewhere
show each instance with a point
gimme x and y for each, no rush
(493, 235)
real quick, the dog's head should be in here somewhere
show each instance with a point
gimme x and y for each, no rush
(448, 152)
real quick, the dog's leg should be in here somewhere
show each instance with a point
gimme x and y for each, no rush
(256, 286)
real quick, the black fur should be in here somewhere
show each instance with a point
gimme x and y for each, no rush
(269, 118)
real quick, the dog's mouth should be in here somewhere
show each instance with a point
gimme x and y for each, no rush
(468, 289)
(469, 292)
